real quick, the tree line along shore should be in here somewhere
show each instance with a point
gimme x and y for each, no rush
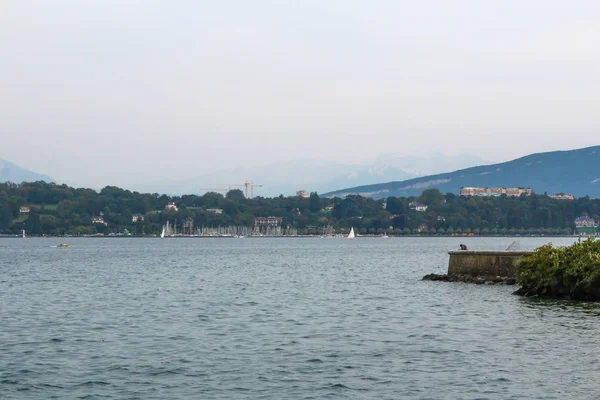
(42, 208)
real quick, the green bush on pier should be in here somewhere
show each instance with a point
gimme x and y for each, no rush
(568, 272)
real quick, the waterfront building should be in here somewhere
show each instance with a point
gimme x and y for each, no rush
(268, 221)
(494, 192)
(562, 196)
(99, 220)
(585, 222)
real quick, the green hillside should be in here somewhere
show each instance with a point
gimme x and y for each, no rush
(49, 209)
(575, 172)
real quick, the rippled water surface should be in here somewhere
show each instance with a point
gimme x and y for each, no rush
(280, 319)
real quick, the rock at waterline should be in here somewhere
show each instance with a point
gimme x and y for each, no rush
(479, 280)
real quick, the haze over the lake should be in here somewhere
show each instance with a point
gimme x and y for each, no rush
(114, 91)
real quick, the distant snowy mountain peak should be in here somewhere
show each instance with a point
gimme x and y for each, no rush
(319, 176)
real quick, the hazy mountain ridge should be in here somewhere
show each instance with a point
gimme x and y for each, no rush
(311, 174)
(285, 177)
(10, 172)
(575, 172)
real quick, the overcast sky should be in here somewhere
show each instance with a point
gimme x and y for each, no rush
(115, 90)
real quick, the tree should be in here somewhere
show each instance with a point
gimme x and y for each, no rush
(47, 223)
(432, 197)
(210, 200)
(5, 216)
(82, 230)
(235, 195)
(33, 224)
(66, 208)
(314, 203)
(395, 206)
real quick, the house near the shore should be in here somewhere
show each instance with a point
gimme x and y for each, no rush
(268, 221)
(562, 196)
(99, 220)
(417, 206)
(585, 222)
(24, 209)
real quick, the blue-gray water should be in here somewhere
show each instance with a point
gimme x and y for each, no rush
(279, 319)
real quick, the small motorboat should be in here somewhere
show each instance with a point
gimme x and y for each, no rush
(63, 245)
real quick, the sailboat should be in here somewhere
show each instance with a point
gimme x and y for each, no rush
(24, 236)
(351, 234)
(162, 234)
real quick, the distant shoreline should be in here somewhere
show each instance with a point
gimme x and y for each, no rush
(3, 236)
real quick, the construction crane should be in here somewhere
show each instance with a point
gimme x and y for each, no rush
(250, 185)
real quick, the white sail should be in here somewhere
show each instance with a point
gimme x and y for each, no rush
(24, 233)
(351, 234)
(162, 234)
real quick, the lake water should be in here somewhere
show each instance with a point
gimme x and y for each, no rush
(303, 318)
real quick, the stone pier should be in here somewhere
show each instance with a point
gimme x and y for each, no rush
(484, 263)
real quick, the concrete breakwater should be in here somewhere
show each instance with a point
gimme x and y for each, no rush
(481, 266)
(485, 263)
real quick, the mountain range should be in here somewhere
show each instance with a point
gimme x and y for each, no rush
(575, 172)
(286, 177)
(312, 175)
(10, 172)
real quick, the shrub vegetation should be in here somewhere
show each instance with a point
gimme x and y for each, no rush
(568, 272)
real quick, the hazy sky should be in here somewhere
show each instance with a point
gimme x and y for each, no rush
(119, 90)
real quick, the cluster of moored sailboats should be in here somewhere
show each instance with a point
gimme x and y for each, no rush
(351, 235)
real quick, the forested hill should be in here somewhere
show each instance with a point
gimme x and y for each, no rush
(575, 172)
(49, 209)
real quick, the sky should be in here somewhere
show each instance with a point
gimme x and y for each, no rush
(114, 91)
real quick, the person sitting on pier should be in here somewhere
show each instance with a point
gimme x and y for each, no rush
(463, 247)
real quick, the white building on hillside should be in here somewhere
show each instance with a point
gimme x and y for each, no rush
(171, 206)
